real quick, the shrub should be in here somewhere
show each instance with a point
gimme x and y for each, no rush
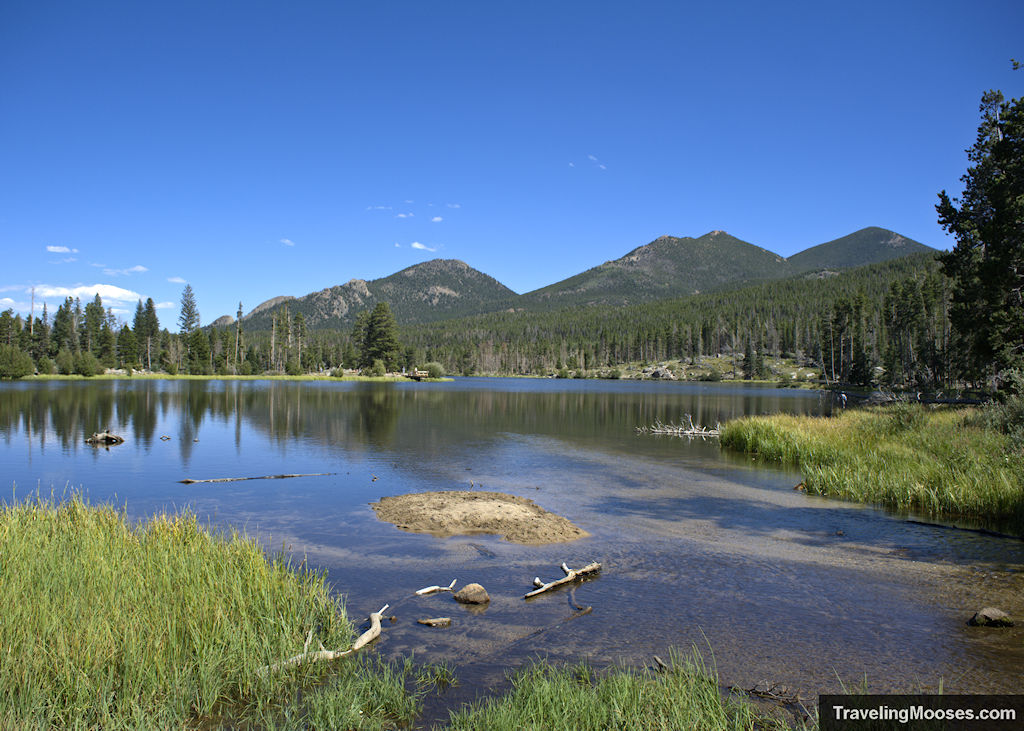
(46, 366)
(378, 369)
(86, 364)
(65, 362)
(434, 370)
(15, 363)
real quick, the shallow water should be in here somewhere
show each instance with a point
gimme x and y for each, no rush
(699, 547)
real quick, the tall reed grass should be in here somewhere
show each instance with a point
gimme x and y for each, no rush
(164, 625)
(686, 696)
(938, 462)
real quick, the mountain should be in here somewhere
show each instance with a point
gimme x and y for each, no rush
(675, 267)
(665, 268)
(434, 290)
(867, 246)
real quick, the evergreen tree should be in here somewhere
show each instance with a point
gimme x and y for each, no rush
(188, 320)
(63, 327)
(150, 333)
(381, 338)
(127, 347)
(238, 335)
(987, 264)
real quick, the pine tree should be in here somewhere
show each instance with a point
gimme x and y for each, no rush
(188, 320)
(987, 264)
(380, 341)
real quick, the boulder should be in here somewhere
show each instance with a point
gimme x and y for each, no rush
(990, 617)
(660, 373)
(472, 594)
(105, 439)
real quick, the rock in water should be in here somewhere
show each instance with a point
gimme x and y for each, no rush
(472, 594)
(104, 438)
(990, 617)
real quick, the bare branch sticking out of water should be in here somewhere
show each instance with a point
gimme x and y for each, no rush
(190, 481)
(326, 655)
(681, 430)
(435, 589)
(570, 576)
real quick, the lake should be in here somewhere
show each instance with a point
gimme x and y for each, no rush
(700, 547)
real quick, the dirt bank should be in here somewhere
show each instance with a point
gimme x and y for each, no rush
(461, 512)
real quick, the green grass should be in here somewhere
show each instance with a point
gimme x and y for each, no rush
(937, 462)
(686, 696)
(105, 625)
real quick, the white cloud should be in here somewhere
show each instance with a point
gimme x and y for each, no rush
(137, 269)
(454, 205)
(378, 208)
(602, 166)
(572, 164)
(6, 302)
(409, 201)
(421, 247)
(61, 250)
(68, 260)
(109, 293)
(287, 242)
(436, 219)
(398, 245)
(405, 215)
(592, 158)
(165, 306)
(177, 280)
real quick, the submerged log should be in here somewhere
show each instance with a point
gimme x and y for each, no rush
(104, 438)
(681, 430)
(189, 481)
(571, 575)
(436, 621)
(435, 589)
(304, 657)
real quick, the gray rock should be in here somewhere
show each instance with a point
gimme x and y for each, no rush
(990, 617)
(472, 594)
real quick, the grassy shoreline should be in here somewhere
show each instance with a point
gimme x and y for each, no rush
(137, 376)
(937, 462)
(165, 625)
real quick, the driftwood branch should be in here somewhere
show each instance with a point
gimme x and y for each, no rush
(436, 621)
(435, 589)
(571, 575)
(189, 481)
(681, 430)
(326, 655)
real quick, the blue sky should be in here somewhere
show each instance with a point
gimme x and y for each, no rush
(254, 149)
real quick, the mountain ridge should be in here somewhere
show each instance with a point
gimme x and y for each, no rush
(668, 266)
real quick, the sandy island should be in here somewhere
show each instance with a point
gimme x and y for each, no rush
(461, 512)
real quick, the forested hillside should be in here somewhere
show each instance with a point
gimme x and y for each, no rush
(667, 267)
(891, 314)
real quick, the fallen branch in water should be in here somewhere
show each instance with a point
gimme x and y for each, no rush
(680, 430)
(436, 621)
(435, 589)
(189, 481)
(570, 576)
(304, 657)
